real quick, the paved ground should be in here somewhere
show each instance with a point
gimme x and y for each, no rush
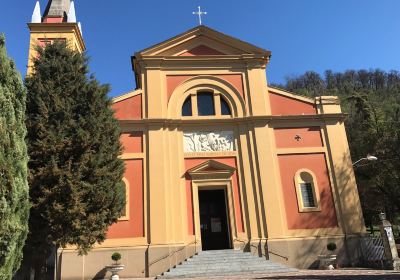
(319, 275)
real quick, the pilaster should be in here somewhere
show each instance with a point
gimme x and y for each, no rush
(159, 210)
(344, 179)
(155, 94)
(250, 205)
(258, 92)
(274, 209)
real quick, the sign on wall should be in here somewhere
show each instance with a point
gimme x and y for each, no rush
(216, 225)
(207, 141)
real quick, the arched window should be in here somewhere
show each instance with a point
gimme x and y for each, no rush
(307, 192)
(225, 110)
(205, 104)
(187, 107)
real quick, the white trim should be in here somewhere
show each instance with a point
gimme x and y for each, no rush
(314, 185)
(291, 95)
(206, 83)
(215, 184)
(126, 95)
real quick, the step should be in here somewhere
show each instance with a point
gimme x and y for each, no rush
(227, 266)
(245, 255)
(217, 269)
(227, 251)
(169, 275)
(223, 254)
(223, 257)
(222, 260)
(219, 253)
(226, 262)
(221, 250)
(206, 261)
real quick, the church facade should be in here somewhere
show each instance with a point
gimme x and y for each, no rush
(217, 159)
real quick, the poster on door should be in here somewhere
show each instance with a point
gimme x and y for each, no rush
(216, 225)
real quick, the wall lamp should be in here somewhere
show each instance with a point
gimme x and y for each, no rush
(369, 157)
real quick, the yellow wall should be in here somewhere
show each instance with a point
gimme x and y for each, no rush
(166, 240)
(54, 31)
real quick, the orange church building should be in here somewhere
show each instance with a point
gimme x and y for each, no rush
(217, 159)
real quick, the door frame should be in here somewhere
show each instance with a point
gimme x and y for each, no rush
(216, 184)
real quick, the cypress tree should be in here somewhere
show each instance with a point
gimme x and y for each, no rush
(14, 203)
(75, 174)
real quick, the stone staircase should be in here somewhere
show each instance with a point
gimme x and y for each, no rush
(223, 263)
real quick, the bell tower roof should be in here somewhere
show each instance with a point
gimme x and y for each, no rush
(57, 9)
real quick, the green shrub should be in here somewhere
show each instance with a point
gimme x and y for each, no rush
(14, 200)
(331, 246)
(75, 177)
(116, 257)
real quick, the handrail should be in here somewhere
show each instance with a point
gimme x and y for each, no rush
(174, 252)
(286, 258)
(243, 241)
(264, 255)
(254, 246)
(270, 252)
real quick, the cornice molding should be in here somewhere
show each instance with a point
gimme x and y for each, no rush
(292, 95)
(211, 168)
(337, 117)
(127, 95)
(57, 28)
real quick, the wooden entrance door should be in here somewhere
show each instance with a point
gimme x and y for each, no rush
(213, 220)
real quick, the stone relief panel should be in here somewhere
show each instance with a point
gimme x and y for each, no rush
(207, 141)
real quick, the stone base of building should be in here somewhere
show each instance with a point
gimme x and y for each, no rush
(304, 252)
(396, 264)
(140, 261)
(145, 261)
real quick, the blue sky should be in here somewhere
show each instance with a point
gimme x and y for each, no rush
(302, 34)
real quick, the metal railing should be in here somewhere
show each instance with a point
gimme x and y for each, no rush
(170, 254)
(245, 242)
(373, 252)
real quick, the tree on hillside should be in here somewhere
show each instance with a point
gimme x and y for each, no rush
(75, 174)
(14, 204)
(372, 101)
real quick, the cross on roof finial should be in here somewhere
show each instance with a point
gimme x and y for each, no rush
(200, 13)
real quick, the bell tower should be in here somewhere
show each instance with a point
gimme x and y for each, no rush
(57, 23)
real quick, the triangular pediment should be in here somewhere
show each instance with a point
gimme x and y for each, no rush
(201, 50)
(202, 41)
(211, 168)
